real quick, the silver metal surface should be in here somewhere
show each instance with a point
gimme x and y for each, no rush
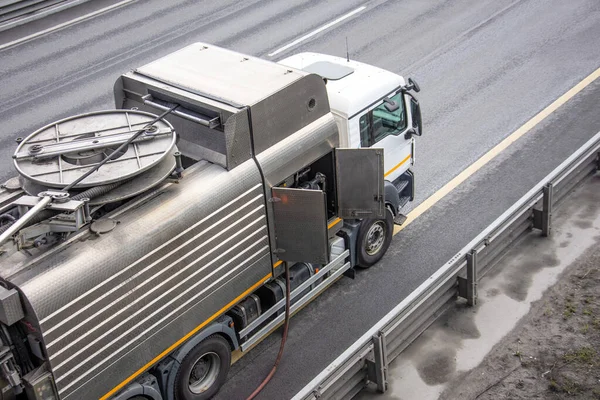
(88, 143)
(329, 70)
(21, 222)
(312, 294)
(237, 139)
(11, 310)
(125, 292)
(344, 377)
(242, 91)
(294, 153)
(335, 264)
(189, 115)
(300, 218)
(299, 150)
(360, 183)
(71, 146)
(287, 111)
(141, 183)
(223, 75)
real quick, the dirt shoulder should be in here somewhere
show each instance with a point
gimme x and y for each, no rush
(554, 352)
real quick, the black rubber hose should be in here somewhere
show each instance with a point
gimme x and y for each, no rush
(3, 228)
(8, 217)
(96, 191)
(11, 220)
(283, 338)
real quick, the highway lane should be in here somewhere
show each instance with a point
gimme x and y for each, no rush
(484, 68)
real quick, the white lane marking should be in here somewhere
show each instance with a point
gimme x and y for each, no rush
(65, 24)
(318, 30)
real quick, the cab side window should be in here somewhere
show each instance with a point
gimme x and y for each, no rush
(379, 122)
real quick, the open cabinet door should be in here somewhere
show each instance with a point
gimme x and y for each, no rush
(359, 174)
(300, 218)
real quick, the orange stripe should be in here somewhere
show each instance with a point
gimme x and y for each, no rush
(183, 339)
(397, 166)
(335, 221)
(277, 264)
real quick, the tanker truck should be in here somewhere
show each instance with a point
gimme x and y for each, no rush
(141, 246)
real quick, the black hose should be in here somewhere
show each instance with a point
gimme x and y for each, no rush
(3, 228)
(96, 191)
(283, 338)
(8, 217)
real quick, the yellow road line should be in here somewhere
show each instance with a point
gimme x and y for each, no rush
(490, 155)
(183, 339)
(397, 166)
(277, 264)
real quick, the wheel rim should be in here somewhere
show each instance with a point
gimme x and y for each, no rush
(375, 238)
(204, 372)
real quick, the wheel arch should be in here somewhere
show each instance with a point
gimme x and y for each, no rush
(166, 369)
(391, 198)
(219, 327)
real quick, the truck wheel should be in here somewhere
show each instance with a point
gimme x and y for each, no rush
(374, 238)
(203, 370)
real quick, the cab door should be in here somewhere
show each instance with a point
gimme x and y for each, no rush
(385, 125)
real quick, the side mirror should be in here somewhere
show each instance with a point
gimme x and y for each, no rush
(412, 85)
(415, 110)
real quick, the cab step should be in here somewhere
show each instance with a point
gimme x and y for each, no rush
(403, 201)
(401, 185)
(400, 219)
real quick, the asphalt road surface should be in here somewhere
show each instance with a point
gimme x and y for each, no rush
(484, 68)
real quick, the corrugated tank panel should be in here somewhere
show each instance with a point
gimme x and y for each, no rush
(108, 306)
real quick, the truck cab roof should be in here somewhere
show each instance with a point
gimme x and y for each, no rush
(351, 85)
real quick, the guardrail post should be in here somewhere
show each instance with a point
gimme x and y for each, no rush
(377, 369)
(547, 209)
(472, 278)
(467, 288)
(542, 219)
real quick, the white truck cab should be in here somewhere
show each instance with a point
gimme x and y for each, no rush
(372, 107)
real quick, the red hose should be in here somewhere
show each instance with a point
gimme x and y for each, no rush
(283, 338)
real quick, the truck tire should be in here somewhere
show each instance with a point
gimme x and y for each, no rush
(374, 238)
(203, 370)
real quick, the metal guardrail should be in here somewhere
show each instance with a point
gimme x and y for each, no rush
(17, 12)
(368, 358)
